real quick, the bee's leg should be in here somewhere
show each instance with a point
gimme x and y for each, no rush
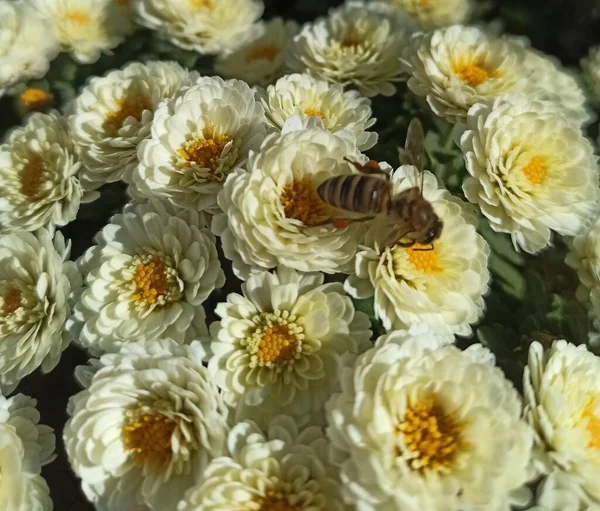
(340, 223)
(365, 169)
(424, 249)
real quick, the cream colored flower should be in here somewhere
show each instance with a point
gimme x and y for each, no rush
(25, 446)
(146, 278)
(36, 280)
(442, 285)
(205, 26)
(591, 72)
(356, 44)
(305, 96)
(562, 396)
(39, 185)
(198, 137)
(549, 81)
(423, 426)
(436, 13)
(278, 348)
(273, 213)
(584, 257)
(145, 427)
(87, 28)
(23, 53)
(456, 67)
(283, 470)
(531, 171)
(559, 492)
(261, 60)
(113, 114)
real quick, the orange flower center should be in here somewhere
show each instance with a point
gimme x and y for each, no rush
(471, 72)
(535, 170)
(267, 52)
(301, 201)
(155, 281)
(79, 18)
(34, 99)
(205, 152)
(273, 502)
(130, 107)
(424, 258)
(310, 112)
(11, 301)
(147, 438)
(32, 176)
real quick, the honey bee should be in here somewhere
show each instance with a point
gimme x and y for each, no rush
(411, 217)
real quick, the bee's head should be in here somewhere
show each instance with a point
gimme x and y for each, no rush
(434, 233)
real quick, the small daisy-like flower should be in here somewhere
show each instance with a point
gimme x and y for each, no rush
(591, 72)
(306, 96)
(113, 114)
(531, 171)
(584, 258)
(261, 60)
(24, 55)
(425, 427)
(436, 13)
(36, 280)
(87, 28)
(442, 284)
(33, 99)
(458, 66)
(39, 185)
(146, 278)
(562, 397)
(284, 469)
(145, 427)
(198, 137)
(357, 44)
(273, 212)
(25, 446)
(278, 348)
(205, 26)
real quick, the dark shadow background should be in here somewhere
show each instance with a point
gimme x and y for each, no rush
(564, 28)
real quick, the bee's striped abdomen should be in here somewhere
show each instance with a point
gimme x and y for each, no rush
(357, 193)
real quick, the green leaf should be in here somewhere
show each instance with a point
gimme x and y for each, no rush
(509, 278)
(500, 243)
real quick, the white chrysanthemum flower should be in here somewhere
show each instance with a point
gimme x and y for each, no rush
(39, 185)
(436, 13)
(442, 285)
(205, 26)
(23, 53)
(146, 426)
(457, 67)
(284, 469)
(423, 426)
(559, 492)
(562, 396)
(146, 278)
(584, 257)
(273, 212)
(25, 446)
(357, 44)
(591, 72)
(87, 28)
(531, 171)
(113, 114)
(305, 96)
(198, 137)
(261, 60)
(549, 81)
(36, 280)
(278, 348)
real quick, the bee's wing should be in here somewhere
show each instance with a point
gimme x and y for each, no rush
(414, 150)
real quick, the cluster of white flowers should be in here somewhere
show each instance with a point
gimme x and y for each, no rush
(268, 390)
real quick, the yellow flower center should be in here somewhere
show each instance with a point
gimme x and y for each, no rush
(310, 112)
(154, 280)
(593, 425)
(471, 72)
(33, 99)
(423, 258)
(301, 201)
(351, 40)
(273, 502)
(276, 340)
(147, 436)
(430, 434)
(535, 170)
(130, 107)
(32, 176)
(206, 152)
(267, 52)
(79, 18)
(201, 4)
(11, 301)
